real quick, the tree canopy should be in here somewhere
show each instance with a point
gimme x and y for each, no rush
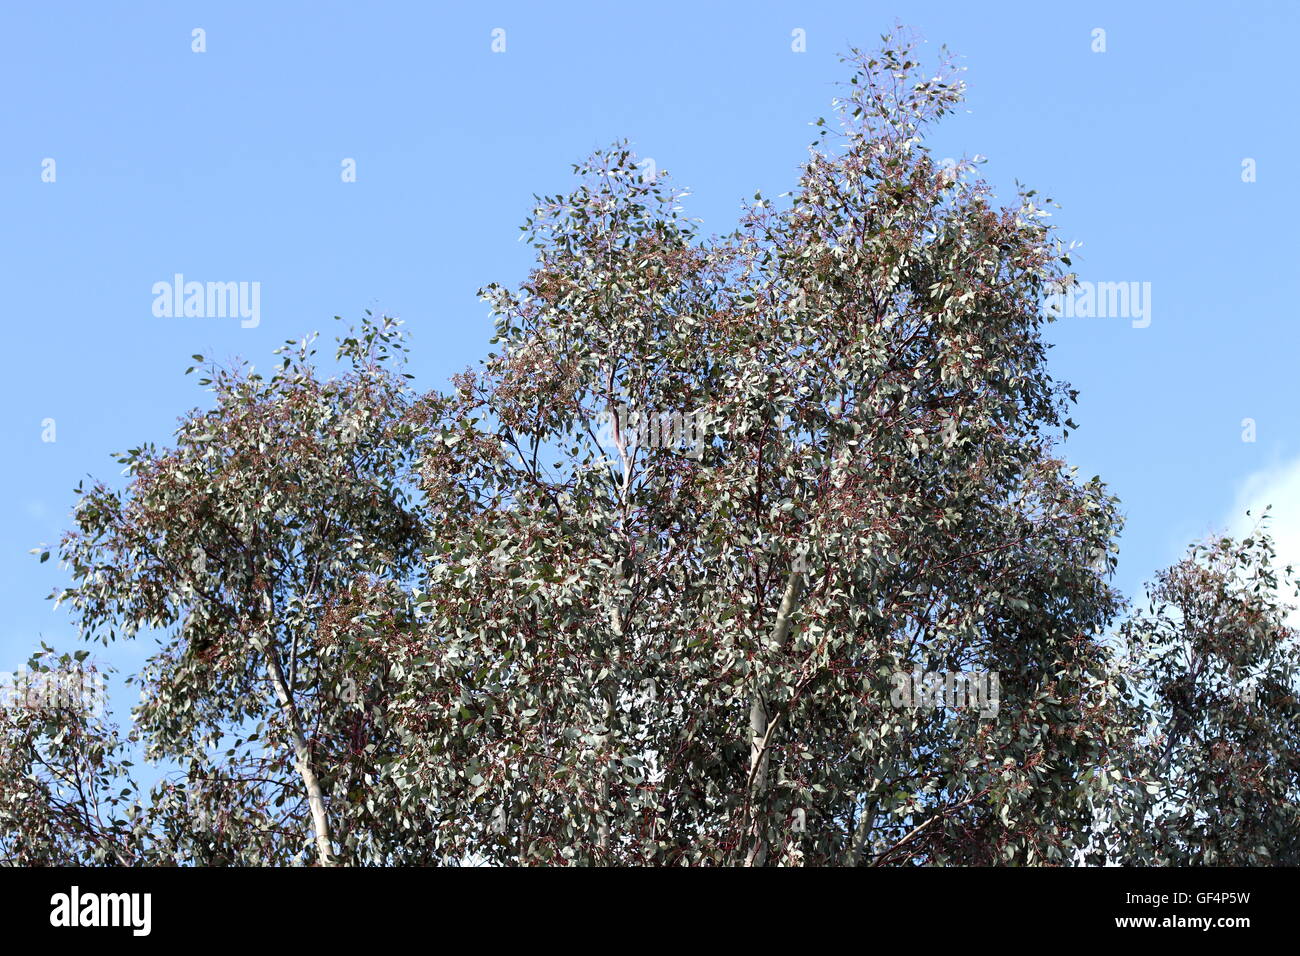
(639, 589)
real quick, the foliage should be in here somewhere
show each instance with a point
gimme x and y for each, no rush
(500, 624)
(1219, 663)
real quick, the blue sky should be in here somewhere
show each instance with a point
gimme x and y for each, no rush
(225, 166)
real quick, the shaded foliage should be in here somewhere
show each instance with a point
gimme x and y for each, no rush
(496, 625)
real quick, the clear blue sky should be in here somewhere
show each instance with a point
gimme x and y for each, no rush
(225, 165)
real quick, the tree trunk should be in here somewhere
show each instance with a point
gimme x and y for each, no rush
(611, 704)
(865, 823)
(760, 730)
(302, 760)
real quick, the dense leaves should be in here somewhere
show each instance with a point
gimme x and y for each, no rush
(1218, 664)
(504, 624)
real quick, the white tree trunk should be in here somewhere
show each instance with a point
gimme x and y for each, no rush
(302, 760)
(760, 730)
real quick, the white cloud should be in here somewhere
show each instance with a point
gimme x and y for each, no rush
(1277, 485)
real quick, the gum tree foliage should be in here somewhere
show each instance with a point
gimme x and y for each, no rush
(639, 656)
(1216, 661)
(66, 794)
(245, 546)
(492, 625)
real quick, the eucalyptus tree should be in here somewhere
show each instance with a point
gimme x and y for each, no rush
(644, 653)
(640, 589)
(1217, 659)
(245, 546)
(66, 793)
